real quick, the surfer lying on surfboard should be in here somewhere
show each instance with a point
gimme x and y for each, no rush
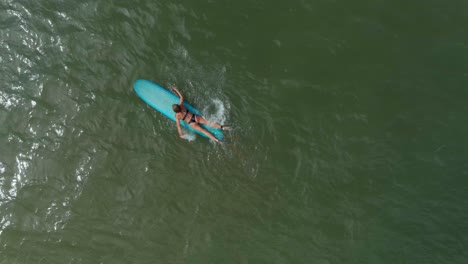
(192, 119)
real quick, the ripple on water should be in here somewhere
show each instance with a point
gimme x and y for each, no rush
(2, 168)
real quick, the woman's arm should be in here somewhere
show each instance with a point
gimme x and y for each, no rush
(179, 129)
(179, 94)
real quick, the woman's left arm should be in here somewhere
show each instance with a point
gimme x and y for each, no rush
(179, 94)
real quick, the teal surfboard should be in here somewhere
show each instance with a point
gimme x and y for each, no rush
(162, 100)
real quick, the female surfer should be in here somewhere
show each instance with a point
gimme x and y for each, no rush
(192, 119)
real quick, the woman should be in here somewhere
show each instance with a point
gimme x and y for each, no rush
(192, 119)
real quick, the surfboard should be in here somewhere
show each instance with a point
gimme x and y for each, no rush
(162, 100)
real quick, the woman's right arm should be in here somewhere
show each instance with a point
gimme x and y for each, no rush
(179, 129)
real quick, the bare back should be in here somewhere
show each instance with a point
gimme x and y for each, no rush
(183, 113)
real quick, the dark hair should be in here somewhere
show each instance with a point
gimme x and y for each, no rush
(176, 108)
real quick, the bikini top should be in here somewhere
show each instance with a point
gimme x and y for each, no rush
(186, 113)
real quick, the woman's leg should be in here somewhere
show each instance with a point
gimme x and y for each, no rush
(204, 131)
(202, 120)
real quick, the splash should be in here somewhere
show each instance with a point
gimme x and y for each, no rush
(216, 111)
(188, 135)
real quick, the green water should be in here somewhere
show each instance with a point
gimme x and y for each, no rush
(348, 142)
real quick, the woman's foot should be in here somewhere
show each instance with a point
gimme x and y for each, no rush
(225, 127)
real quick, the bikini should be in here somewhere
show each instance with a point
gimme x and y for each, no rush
(192, 119)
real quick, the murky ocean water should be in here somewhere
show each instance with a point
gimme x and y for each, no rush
(348, 141)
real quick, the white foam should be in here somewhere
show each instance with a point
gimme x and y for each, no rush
(219, 113)
(188, 135)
